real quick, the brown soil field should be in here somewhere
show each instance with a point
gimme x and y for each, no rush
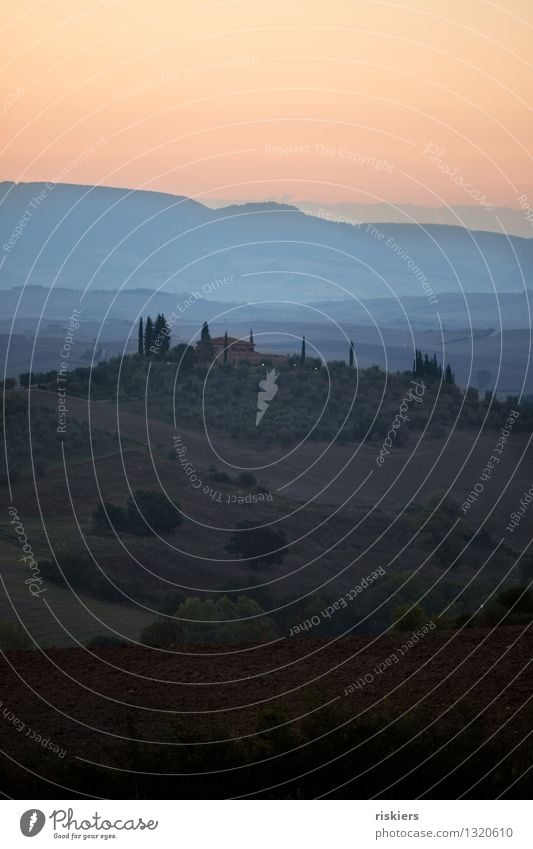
(87, 703)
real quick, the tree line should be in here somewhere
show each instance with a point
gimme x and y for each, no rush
(154, 337)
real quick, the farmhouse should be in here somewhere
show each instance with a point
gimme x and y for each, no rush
(240, 350)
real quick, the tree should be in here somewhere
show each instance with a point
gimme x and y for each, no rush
(418, 364)
(157, 333)
(13, 637)
(226, 346)
(302, 354)
(352, 355)
(257, 545)
(205, 348)
(26, 379)
(163, 633)
(104, 641)
(449, 376)
(246, 479)
(140, 347)
(251, 337)
(148, 336)
(165, 344)
(151, 512)
(161, 336)
(222, 620)
(108, 517)
(407, 618)
(184, 355)
(425, 366)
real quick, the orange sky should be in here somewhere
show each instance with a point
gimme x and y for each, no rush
(204, 99)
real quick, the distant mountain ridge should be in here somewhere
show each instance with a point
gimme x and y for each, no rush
(108, 238)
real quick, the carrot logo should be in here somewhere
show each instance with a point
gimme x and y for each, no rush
(266, 394)
(32, 822)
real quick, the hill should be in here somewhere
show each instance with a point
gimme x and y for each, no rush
(95, 236)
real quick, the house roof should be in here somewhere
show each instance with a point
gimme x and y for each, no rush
(220, 340)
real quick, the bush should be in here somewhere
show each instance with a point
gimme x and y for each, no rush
(519, 599)
(79, 570)
(408, 618)
(246, 479)
(104, 641)
(219, 477)
(107, 517)
(151, 512)
(163, 633)
(221, 620)
(13, 637)
(257, 545)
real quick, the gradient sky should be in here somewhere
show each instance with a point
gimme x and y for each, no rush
(188, 99)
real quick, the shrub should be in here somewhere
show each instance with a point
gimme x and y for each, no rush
(163, 633)
(408, 618)
(107, 517)
(104, 641)
(151, 512)
(13, 637)
(81, 573)
(220, 477)
(257, 545)
(222, 620)
(246, 479)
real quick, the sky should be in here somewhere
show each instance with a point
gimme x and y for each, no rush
(349, 101)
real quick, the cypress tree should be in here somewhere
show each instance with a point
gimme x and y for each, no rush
(226, 346)
(449, 376)
(302, 355)
(141, 338)
(165, 331)
(352, 356)
(148, 336)
(251, 337)
(205, 348)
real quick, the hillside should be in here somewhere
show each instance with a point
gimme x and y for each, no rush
(101, 237)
